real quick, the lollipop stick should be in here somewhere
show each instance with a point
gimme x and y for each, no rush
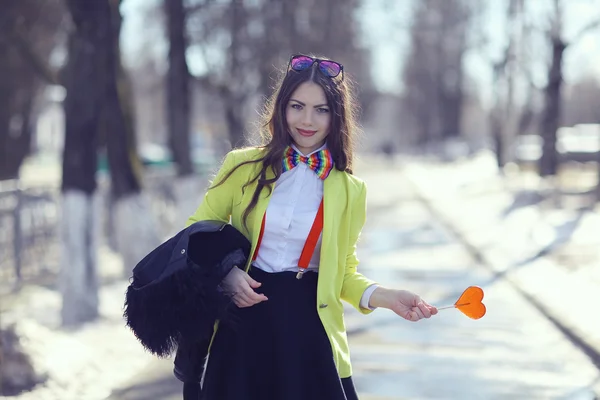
(453, 306)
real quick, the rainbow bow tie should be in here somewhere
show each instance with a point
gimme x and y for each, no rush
(321, 162)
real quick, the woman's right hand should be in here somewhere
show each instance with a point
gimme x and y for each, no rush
(240, 286)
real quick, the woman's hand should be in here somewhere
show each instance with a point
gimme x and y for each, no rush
(406, 304)
(240, 286)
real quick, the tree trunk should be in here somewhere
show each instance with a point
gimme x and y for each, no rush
(78, 275)
(451, 101)
(15, 133)
(450, 85)
(84, 84)
(598, 184)
(120, 135)
(135, 227)
(598, 176)
(7, 169)
(497, 133)
(18, 79)
(548, 164)
(235, 121)
(456, 106)
(502, 117)
(178, 92)
(232, 95)
(187, 185)
(16, 99)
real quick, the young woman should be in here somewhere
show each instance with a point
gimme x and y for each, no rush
(297, 201)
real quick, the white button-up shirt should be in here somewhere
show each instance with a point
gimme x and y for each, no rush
(291, 212)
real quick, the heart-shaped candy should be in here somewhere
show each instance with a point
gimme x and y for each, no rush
(469, 303)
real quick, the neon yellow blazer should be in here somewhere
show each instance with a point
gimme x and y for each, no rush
(343, 219)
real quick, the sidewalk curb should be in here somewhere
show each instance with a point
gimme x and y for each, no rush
(575, 335)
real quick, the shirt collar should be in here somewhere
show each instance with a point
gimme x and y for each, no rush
(313, 152)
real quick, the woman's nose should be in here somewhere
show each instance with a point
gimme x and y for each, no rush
(307, 117)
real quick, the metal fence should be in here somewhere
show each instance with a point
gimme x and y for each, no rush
(28, 232)
(29, 227)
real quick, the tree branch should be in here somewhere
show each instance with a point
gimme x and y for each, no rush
(586, 29)
(24, 48)
(194, 8)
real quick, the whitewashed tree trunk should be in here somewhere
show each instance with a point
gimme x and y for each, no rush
(136, 229)
(78, 273)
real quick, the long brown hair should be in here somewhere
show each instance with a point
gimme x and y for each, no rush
(275, 136)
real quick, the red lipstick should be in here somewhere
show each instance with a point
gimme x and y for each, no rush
(304, 132)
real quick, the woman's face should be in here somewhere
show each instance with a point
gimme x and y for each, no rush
(308, 117)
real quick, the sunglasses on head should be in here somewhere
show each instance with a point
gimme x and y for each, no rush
(329, 68)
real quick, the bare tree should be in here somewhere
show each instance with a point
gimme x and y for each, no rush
(434, 74)
(118, 121)
(94, 113)
(280, 37)
(551, 115)
(85, 86)
(144, 63)
(178, 88)
(452, 46)
(503, 113)
(178, 99)
(29, 32)
(231, 72)
(300, 27)
(582, 102)
(261, 36)
(419, 97)
(233, 91)
(128, 200)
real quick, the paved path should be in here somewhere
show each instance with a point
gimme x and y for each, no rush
(514, 352)
(550, 253)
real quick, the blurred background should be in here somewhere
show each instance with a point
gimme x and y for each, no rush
(114, 114)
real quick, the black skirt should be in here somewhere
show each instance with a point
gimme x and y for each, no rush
(277, 349)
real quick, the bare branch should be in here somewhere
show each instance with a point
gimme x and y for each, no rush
(194, 8)
(585, 30)
(27, 52)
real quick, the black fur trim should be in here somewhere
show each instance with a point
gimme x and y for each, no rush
(185, 304)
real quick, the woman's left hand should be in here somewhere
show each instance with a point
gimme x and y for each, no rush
(406, 304)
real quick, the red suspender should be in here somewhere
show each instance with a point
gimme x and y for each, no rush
(311, 242)
(309, 246)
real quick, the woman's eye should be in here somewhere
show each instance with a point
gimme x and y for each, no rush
(322, 110)
(296, 106)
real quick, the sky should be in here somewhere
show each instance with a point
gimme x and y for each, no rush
(385, 32)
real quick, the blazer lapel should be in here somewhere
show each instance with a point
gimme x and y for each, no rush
(332, 187)
(259, 212)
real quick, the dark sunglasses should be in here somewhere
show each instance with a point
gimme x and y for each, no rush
(329, 68)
